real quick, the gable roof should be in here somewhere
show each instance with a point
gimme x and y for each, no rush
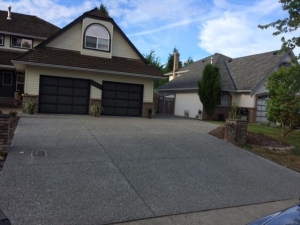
(189, 80)
(26, 25)
(55, 57)
(239, 74)
(248, 71)
(96, 14)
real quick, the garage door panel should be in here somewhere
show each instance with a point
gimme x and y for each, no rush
(122, 95)
(81, 84)
(135, 88)
(109, 94)
(77, 109)
(48, 99)
(65, 91)
(65, 100)
(110, 86)
(65, 82)
(135, 96)
(134, 104)
(122, 87)
(48, 108)
(81, 92)
(65, 109)
(121, 103)
(133, 112)
(108, 111)
(49, 90)
(108, 103)
(121, 112)
(51, 81)
(80, 101)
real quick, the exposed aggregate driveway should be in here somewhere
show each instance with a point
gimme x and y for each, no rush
(110, 169)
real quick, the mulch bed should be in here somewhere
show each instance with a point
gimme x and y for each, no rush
(253, 139)
(14, 124)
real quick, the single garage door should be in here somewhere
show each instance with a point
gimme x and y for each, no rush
(122, 99)
(63, 95)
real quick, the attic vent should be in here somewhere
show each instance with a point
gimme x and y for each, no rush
(229, 60)
(275, 53)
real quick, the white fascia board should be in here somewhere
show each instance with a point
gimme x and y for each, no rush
(86, 69)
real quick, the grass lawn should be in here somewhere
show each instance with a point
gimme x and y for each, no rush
(288, 158)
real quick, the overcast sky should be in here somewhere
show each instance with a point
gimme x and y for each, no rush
(197, 28)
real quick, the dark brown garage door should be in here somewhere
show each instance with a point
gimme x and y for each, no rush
(121, 99)
(64, 95)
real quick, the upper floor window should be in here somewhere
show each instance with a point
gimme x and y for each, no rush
(18, 42)
(7, 78)
(97, 37)
(224, 99)
(1, 39)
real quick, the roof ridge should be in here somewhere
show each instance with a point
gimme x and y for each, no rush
(255, 54)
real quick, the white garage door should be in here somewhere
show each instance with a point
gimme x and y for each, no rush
(261, 109)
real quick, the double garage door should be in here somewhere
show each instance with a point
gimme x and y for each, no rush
(72, 96)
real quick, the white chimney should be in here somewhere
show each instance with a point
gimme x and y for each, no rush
(9, 13)
(211, 60)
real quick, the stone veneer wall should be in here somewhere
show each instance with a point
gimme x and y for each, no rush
(236, 131)
(27, 98)
(146, 106)
(5, 127)
(252, 115)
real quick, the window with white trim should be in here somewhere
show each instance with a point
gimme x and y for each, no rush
(1, 39)
(224, 99)
(97, 37)
(7, 78)
(20, 82)
(18, 42)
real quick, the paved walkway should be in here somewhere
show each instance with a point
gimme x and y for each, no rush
(109, 169)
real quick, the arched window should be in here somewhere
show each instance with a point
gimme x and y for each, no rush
(97, 37)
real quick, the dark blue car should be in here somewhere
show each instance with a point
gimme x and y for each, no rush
(290, 216)
(3, 219)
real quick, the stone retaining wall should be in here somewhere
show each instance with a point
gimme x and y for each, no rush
(236, 131)
(5, 126)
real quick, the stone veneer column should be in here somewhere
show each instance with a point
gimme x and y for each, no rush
(4, 131)
(236, 131)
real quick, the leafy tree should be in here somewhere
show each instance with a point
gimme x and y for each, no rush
(188, 61)
(154, 61)
(209, 89)
(103, 9)
(289, 24)
(284, 103)
(170, 62)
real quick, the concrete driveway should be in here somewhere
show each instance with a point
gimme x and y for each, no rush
(111, 169)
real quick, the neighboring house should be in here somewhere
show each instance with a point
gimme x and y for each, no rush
(18, 34)
(242, 81)
(90, 61)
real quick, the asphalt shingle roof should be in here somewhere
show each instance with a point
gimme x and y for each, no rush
(248, 71)
(26, 25)
(55, 56)
(6, 56)
(242, 73)
(190, 79)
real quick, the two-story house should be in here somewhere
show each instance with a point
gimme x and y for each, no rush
(90, 61)
(18, 34)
